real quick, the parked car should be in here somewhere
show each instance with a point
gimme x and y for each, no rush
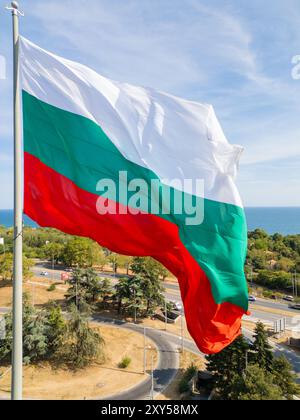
(44, 274)
(288, 298)
(252, 298)
(177, 306)
(296, 306)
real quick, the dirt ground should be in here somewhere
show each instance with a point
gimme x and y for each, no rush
(97, 381)
(186, 360)
(39, 294)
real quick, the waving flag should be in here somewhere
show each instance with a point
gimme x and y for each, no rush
(134, 169)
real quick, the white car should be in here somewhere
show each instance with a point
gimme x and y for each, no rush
(177, 306)
(44, 274)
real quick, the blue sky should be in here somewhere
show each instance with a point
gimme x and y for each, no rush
(235, 55)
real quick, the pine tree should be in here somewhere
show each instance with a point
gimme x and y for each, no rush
(55, 330)
(227, 364)
(83, 345)
(262, 353)
(85, 289)
(34, 335)
(255, 385)
(285, 378)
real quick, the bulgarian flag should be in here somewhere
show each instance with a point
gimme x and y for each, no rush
(143, 173)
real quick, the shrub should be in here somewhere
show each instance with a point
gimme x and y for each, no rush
(52, 288)
(191, 371)
(184, 386)
(188, 375)
(125, 362)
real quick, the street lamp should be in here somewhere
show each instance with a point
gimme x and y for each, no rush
(166, 315)
(182, 332)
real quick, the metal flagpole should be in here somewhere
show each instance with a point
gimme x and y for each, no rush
(17, 354)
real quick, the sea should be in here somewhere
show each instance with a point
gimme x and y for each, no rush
(283, 220)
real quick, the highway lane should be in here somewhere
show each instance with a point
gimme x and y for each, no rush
(260, 302)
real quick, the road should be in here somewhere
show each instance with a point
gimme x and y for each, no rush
(164, 373)
(264, 314)
(56, 275)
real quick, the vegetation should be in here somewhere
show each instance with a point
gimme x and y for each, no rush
(261, 353)
(48, 336)
(52, 288)
(183, 386)
(125, 362)
(6, 267)
(251, 372)
(83, 344)
(84, 289)
(141, 294)
(42, 333)
(274, 259)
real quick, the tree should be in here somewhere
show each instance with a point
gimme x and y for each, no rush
(6, 267)
(140, 294)
(123, 292)
(85, 289)
(105, 290)
(55, 329)
(285, 378)
(152, 293)
(227, 364)
(97, 255)
(82, 252)
(53, 252)
(262, 353)
(83, 345)
(34, 335)
(119, 261)
(274, 280)
(255, 385)
(149, 272)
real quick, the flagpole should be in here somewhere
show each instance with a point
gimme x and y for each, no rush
(17, 353)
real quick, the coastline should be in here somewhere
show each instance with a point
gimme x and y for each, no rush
(281, 220)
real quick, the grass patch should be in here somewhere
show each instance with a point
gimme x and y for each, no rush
(125, 362)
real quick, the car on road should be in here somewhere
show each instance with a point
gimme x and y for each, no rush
(252, 298)
(295, 306)
(288, 298)
(177, 306)
(44, 274)
(69, 270)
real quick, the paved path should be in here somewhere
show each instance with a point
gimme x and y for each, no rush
(166, 370)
